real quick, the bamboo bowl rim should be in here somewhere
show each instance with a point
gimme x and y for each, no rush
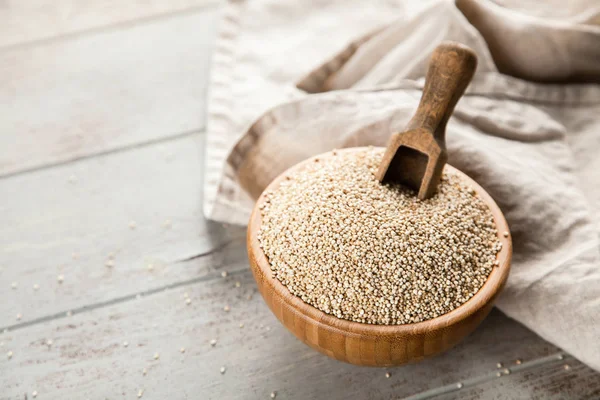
(486, 293)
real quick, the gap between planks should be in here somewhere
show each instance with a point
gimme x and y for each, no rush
(134, 296)
(490, 376)
(102, 153)
(113, 26)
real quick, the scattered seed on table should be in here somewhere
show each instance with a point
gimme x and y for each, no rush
(132, 225)
(560, 357)
(518, 361)
(34, 394)
(167, 224)
(459, 385)
(498, 373)
(351, 247)
(273, 395)
(49, 342)
(156, 356)
(223, 369)
(60, 278)
(19, 316)
(9, 355)
(110, 263)
(14, 285)
(224, 274)
(182, 350)
(237, 284)
(144, 371)
(567, 367)
(226, 308)
(499, 365)
(36, 286)
(188, 301)
(213, 342)
(387, 375)
(506, 371)
(125, 344)
(150, 267)
(241, 324)
(140, 393)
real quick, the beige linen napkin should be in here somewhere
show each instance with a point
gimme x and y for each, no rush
(292, 79)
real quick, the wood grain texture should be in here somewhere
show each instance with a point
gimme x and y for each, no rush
(376, 345)
(88, 359)
(23, 22)
(44, 219)
(416, 157)
(69, 99)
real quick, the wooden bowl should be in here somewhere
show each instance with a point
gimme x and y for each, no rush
(376, 345)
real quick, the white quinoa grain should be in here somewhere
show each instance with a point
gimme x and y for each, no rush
(223, 369)
(273, 395)
(213, 342)
(372, 253)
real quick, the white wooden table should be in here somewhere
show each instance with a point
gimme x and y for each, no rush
(101, 135)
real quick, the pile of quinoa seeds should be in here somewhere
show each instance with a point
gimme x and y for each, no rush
(373, 253)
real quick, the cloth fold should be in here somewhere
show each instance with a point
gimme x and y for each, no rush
(291, 80)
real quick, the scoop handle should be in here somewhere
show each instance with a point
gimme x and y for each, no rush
(450, 70)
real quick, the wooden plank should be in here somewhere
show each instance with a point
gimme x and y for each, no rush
(69, 99)
(50, 226)
(88, 359)
(35, 20)
(568, 379)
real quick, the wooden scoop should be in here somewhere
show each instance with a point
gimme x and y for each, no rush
(416, 157)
